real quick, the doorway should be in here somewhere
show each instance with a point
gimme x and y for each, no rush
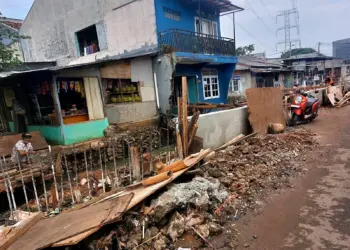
(192, 88)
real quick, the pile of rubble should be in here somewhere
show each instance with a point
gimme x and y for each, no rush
(231, 182)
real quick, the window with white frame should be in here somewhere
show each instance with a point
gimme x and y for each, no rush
(210, 83)
(206, 27)
(234, 86)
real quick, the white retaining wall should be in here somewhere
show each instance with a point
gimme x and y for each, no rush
(217, 128)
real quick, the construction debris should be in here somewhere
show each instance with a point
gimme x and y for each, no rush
(236, 179)
(336, 97)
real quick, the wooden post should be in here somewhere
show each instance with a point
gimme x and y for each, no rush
(56, 102)
(179, 143)
(135, 162)
(184, 116)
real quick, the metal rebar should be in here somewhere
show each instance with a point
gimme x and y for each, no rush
(141, 157)
(44, 186)
(11, 189)
(115, 180)
(105, 161)
(34, 186)
(129, 161)
(69, 179)
(87, 171)
(101, 166)
(91, 167)
(75, 164)
(7, 187)
(150, 156)
(54, 174)
(24, 186)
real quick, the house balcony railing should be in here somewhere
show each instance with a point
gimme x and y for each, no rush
(193, 42)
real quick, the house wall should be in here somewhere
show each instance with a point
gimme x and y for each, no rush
(142, 72)
(247, 81)
(224, 75)
(122, 26)
(163, 69)
(217, 128)
(188, 14)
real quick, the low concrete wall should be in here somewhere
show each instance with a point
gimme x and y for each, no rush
(131, 112)
(217, 128)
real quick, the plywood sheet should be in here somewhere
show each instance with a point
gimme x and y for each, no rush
(67, 225)
(265, 106)
(7, 142)
(116, 71)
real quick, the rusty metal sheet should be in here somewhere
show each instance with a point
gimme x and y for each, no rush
(7, 142)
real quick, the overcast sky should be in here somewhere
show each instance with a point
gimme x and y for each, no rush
(320, 21)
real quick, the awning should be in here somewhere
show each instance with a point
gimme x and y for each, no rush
(219, 5)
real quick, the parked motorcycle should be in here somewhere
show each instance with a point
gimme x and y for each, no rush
(304, 108)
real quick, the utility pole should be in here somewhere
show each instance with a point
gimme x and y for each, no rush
(319, 47)
(288, 26)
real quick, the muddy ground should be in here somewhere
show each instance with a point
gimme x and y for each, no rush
(315, 212)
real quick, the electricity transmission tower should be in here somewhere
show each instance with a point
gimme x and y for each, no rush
(289, 25)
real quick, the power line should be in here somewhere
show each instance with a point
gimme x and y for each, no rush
(251, 8)
(246, 31)
(268, 12)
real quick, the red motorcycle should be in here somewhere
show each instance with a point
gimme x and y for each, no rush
(304, 108)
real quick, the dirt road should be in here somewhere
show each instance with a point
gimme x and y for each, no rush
(315, 213)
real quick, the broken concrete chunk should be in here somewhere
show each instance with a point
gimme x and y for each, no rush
(215, 229)
(203, 230)
(176, 226)
(200, 192)
(194, 219)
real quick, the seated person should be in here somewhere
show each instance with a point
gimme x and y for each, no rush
(22, 148)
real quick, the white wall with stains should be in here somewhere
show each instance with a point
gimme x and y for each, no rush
(121, 28)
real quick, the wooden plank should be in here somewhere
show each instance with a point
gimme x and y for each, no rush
(192, 135)
(193, 122)
(8, 141)
(119, 70)
(179, 115)
(179, 145)
(19, 230)
(135, 163)
(53, 230)
(265, 106)
(184, 115)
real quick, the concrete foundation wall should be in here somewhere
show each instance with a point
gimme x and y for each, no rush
(220, 127)
(122, 26)
(131, 112)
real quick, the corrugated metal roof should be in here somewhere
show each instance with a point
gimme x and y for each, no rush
(255, 62)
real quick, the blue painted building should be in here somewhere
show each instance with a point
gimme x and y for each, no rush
(190, 42)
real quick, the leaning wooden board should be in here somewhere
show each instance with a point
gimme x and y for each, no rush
(66, 225)
(265, 106)
(8, 141)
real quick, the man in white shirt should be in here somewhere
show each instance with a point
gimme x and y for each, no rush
(22, 148)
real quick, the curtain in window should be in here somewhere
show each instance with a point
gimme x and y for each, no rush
(93, 98)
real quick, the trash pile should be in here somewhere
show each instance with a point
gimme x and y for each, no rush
(230, 182)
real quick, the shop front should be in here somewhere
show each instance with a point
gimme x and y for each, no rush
(64, 106)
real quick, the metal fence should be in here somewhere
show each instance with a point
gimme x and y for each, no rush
(79, 173)
(193, 42)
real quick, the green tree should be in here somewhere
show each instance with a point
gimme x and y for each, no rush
(9, 56)
(296, 52)
(245, 50)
